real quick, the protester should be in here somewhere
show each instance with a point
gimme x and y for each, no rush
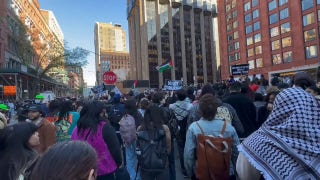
(67, 160)
(4, 119)
(208, 107)
(287, 144)
(39, 101)
(47, 131)
(93, 129)
(314, 91)
(16, 150)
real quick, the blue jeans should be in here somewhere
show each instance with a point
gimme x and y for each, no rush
(132, 161)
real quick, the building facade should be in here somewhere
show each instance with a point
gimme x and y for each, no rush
(110, 50)
(19, 16)
(179, 30)
(275, 37)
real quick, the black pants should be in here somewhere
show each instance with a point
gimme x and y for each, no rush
(172, 166)
(164, 175)
(181, 140)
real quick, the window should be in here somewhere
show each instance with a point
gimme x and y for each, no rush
(272, 5)
(284, 13)
(258, 50)
(274, 31)
(234, 14)
(231, 58)
(249, 40)
(308, 19)
(248, 29)
(319, 14)
(306, 4)
(250, 52)
(311, 52)
(287, 57)
(236, 35)
(310, 35)
(247, 6)
(236, 56)
(273, 18)
(255, 14)
(259, 62)
(229, 37)
(247, 18)
(229, 27)
(282, 2)
(229, 17)
(230, 47)
(276, 59)
(286, 42)
(256, 26)
(228, 7)
(236, 45)
(257, 38)
(255, 3)
(251, 64)
(285, 28)
(275, 45)
(235, 24)
(233, 3)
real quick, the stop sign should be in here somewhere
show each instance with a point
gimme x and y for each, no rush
(109, 77)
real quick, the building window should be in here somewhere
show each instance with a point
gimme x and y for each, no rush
(229, 27)
(229, 37)
(282, 2)
(319, 14)
(259, 62)
(231, 58)
(272, 5)
(275, 45)
(249, 40)
(235, 24)
(274, 31)
(256, 26)
(311, 52)
(286, 42)
(230, 47)
(234, 14)
(236, 45)
(255, 14)
(306, 4)
(236, 35)
(250, 52)
(247, 18)
(310, 35)
(248, 29)
(257, 38)
(236, 56)
(255, 3)
(229, 17)
(308, 19)
(246, 6)
(284, 13)
(285, 28)
(273, 18)
(233, 3)
(287, 57)
(258, 50)
(251, 64)
(228, 7)
(276, 59)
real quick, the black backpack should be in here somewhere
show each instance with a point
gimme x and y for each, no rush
(152, 153)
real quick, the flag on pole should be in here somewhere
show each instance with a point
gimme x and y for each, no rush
(167, 65)
(135, 84)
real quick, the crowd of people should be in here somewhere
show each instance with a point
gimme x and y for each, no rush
(266, 132)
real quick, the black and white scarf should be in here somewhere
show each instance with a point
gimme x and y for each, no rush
(287, 146)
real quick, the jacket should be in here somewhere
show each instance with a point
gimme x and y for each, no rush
(47, 135)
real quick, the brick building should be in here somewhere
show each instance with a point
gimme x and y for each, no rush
(275, 37)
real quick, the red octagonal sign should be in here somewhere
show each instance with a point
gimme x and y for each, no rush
(109, 77)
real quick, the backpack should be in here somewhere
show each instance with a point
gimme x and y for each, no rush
(152, 153)
(127, 129)
(173, 124)
(223, 113)
(213, 155)
(63, 127)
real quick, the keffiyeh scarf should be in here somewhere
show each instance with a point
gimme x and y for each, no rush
(287, 146)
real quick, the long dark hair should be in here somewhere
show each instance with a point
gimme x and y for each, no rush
(65, 108)
(153, 119)
(67, 160)
(90, 117)
(15, 152)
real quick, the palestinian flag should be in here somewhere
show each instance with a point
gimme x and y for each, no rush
(165, 66)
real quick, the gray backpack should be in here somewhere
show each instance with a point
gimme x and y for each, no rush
(127, 129)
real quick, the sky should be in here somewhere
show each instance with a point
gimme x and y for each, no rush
(77, 18)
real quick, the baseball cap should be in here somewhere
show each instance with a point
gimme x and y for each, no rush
(39, 96)
(35, 108)
(4, 107)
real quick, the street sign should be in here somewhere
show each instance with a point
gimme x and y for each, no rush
(109, 77)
